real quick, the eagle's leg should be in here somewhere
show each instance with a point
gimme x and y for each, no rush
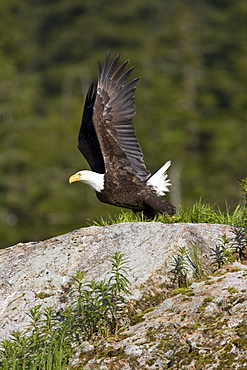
(155, 205)
(142, 216)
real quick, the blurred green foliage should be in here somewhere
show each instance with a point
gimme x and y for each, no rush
(191, 102)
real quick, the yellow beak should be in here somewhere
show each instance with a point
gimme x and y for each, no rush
(74, 178)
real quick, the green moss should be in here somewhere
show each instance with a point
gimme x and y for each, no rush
(149, 301)
(152, 333)
(150, 309)
(204, 304)
(151, 362)
(177, 291)
(43, 295)
(187, 299)
(209, 282)
(241, 330)
(165, 344)
(235, 269)
(109, 351)
(219, 333)
(154, 300)
(111, 339)
(196, 326)
(219, 272)
(190, 328)
(220, 323)
(139, 317)
(213, 322)
(226, 357)
(204, 278)
(240, 343)
(115, 352)
(232, 290)
(190, 294)
(211, 328)
(121, 336)
(136, 319)
(208, 299)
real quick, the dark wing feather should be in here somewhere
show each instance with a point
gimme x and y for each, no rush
(88, 143)
(114, 110)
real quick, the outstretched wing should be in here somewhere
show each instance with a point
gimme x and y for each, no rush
(88, 143)
(113, 111)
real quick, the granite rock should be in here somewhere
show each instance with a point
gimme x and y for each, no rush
(37, 273)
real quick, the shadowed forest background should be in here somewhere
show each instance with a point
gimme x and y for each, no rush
(191, 102)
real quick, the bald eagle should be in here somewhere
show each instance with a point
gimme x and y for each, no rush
(108, 141)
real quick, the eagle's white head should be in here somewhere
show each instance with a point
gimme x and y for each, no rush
(93, 179)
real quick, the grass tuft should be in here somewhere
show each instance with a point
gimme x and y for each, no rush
(200, 212)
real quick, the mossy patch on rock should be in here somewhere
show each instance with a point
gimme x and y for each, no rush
(192, 327)
(177, 291)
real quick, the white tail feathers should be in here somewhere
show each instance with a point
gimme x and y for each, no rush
(160, 181)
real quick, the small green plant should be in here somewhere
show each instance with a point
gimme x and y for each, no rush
(99, 305)
(195, 263)
(221, 253)
(184, 264)
(48, 346)
(53, 336)
(180, 268)
(118, 280)
(239, 242)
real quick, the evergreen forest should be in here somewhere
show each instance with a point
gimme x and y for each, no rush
(191, 102)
